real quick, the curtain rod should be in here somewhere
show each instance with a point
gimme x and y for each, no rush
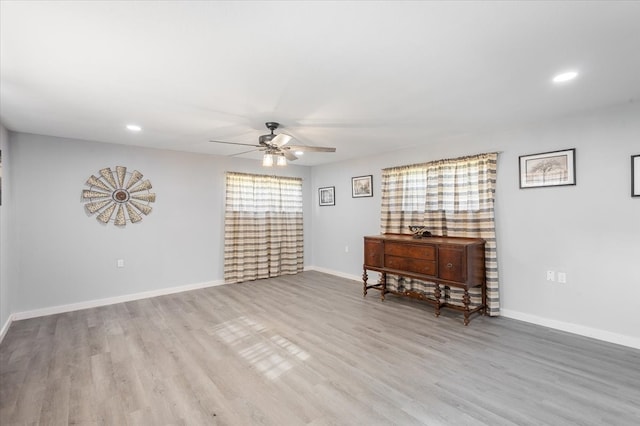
(444, 159)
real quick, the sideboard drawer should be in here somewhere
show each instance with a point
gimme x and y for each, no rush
(420, 266)
(415, 251)
(373, 250)
(451, 264)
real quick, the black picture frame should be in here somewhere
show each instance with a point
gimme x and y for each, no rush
(554, 168)
(327, 196)
(635, 175)
(362, 186)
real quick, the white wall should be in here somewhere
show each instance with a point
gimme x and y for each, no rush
(591, 231)
(65, 256)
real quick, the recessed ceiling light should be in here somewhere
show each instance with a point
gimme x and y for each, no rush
(565, 76)
(134, 127)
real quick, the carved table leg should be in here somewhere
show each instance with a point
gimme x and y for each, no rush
(484, 298)
(365, 277)
(383, 289)
(466, 300)
(437, 294)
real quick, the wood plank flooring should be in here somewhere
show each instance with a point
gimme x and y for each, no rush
(306, 350)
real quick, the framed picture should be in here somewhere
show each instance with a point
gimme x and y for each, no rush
(635, 175)
(327, 196)
(362, 186)
(557, 168)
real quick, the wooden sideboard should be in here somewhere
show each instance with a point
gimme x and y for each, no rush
(444, 261)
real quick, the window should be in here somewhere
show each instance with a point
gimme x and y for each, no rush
(263, 227)
(446, 187)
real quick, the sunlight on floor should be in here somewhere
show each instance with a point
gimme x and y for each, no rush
(272, 356)
(238, 329)
(266, 360)
(290, 347)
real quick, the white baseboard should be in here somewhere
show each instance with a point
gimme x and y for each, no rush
(332, 272)
(111, 300)
(5, 327)
(607, 336)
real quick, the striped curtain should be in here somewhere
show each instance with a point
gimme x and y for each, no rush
(263, 233)
(451, 198)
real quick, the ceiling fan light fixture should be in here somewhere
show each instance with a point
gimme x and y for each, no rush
(565, 76)
(267, 160)
(281, 161)
(299, 153)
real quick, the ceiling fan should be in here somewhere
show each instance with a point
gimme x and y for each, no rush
(276, 146)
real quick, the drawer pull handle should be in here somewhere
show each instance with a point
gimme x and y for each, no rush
(449, 265)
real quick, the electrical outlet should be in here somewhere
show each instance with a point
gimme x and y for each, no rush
(551, 276)
(120, 263)
(346, 249)
(562, 277)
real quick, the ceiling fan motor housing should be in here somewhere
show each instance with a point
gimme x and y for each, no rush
(265, 139)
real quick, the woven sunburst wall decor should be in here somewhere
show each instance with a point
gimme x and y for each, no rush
(121, 192)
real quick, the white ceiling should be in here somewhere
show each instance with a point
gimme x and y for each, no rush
(360, 76)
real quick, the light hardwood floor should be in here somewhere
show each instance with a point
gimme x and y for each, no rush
(306, 350)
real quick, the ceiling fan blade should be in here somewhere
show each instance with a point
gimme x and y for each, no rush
(310, 148)
(237, 143)
(244, 152)
(289, 155)
(281, 139)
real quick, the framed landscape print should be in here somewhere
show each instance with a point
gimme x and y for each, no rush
(327, 196)
(557, 168)
(362, 186)
(635, 175)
